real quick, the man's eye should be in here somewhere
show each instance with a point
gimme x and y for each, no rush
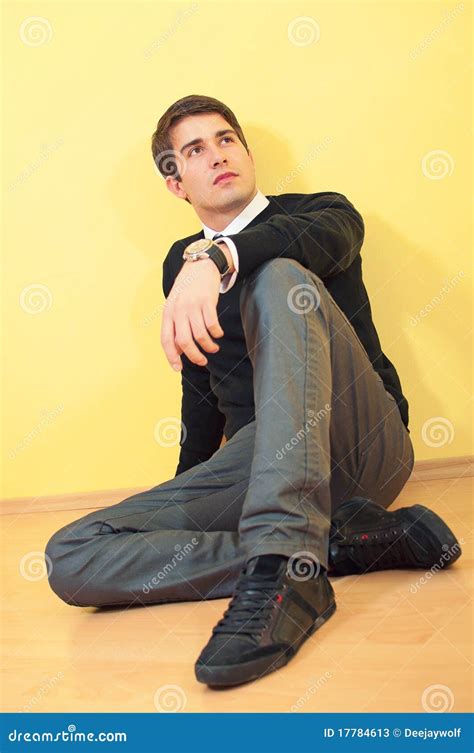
(228, 138)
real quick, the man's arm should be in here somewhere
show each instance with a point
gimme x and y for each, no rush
(324, 234)
(203, 422)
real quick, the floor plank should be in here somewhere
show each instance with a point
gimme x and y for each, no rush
(391, 642)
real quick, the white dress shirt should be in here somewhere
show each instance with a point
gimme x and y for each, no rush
(248, 213)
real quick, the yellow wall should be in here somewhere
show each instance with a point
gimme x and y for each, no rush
(351, 100)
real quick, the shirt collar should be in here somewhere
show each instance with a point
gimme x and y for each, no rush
(248, 213)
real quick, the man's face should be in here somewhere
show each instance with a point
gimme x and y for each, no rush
(201, 163)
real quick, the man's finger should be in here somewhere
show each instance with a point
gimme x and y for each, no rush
(184, 338)
(200, 333)
(211, 320)
(168, 341)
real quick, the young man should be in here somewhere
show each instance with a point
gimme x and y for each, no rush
(271, 328)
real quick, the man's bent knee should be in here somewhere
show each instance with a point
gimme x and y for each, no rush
(62, 571)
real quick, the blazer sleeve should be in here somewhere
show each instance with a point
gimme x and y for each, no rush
(323, 231)
(202, 423)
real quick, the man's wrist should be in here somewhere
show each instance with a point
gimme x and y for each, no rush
(230, 260)
(191, 264)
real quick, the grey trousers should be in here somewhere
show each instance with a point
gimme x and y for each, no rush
(325, 429)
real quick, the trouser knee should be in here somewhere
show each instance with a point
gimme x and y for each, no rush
(63, 573)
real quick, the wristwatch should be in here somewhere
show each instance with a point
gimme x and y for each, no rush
(205, 248)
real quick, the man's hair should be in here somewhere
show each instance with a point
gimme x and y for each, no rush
(193, 104)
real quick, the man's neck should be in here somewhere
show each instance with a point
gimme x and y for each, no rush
(219, 221)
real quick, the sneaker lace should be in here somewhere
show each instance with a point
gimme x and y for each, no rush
(382, 549)
(250, 606)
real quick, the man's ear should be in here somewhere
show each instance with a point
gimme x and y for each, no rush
(174, 185)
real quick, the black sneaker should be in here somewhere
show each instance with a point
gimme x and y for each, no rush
(365, 537)
(269, 617)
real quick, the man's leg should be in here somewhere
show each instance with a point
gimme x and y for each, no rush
(175, 542)
(144, 549)
(320, 409)
(326, 428)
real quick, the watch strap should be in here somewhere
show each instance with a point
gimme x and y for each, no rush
(219, 258)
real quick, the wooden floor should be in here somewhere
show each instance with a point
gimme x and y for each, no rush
(390, 645)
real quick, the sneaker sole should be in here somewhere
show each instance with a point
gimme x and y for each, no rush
(220, 676)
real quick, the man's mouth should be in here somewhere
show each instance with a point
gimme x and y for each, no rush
(224, 176)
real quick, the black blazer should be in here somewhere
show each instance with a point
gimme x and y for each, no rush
(324, 232)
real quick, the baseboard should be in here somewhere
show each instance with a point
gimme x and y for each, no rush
(424, 470)
(429, 470)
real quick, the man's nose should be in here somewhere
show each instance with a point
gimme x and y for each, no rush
(217, 157)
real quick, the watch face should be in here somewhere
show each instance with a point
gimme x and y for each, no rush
(200, 245)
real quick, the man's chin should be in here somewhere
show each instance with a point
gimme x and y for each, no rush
(228, 198)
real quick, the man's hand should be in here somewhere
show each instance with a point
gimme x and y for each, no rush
(190, 313)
